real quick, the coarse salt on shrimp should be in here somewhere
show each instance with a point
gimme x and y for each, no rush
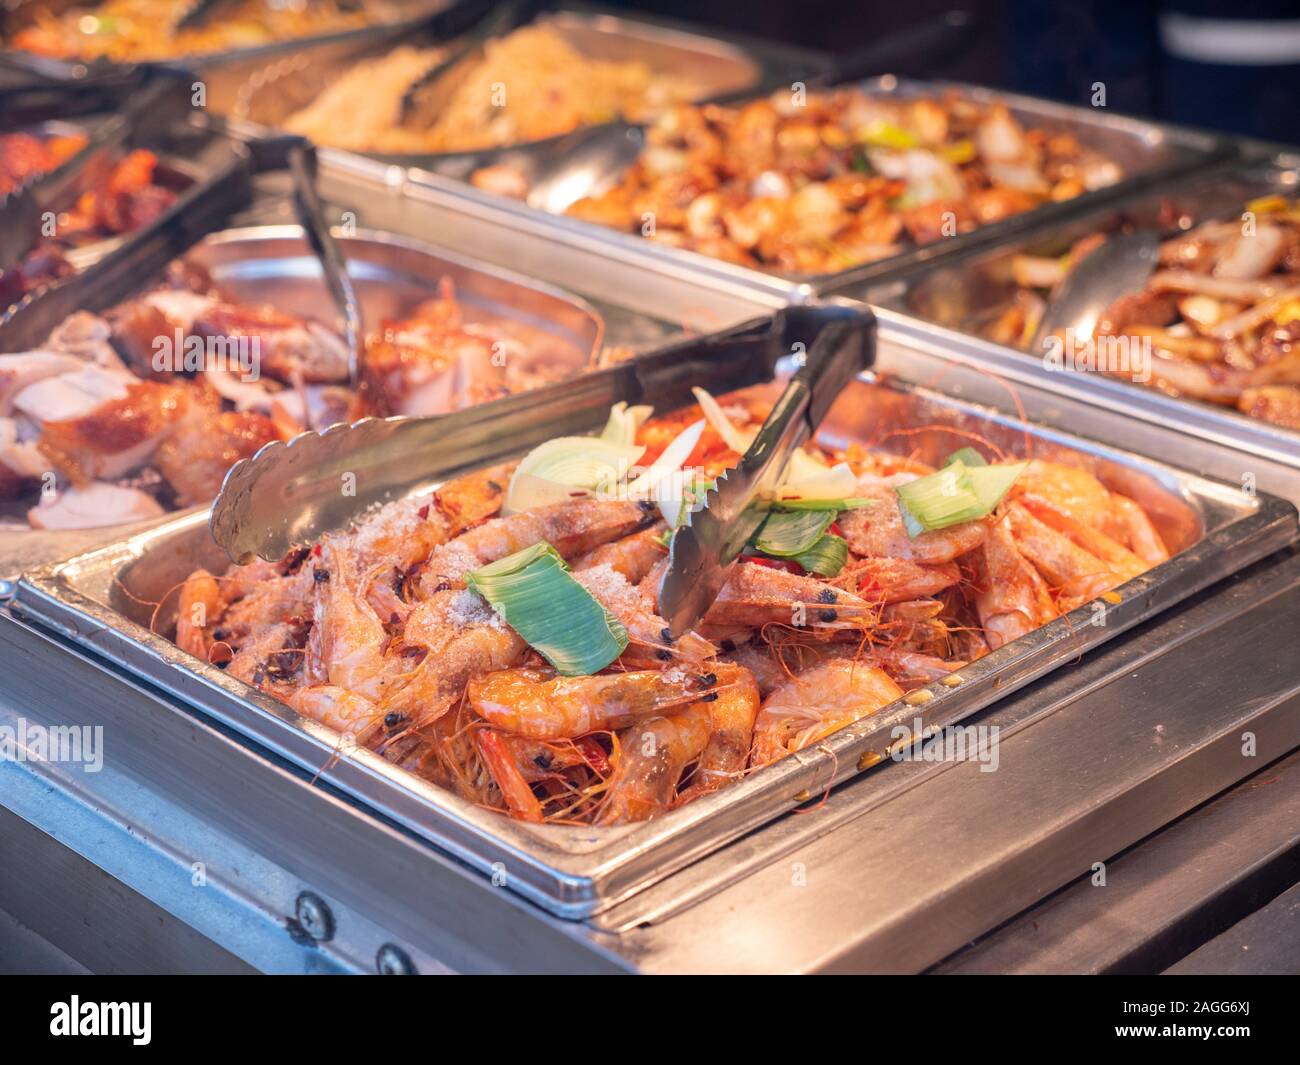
(572, 528)
(877, 530)
(455, 636)
(649, 638)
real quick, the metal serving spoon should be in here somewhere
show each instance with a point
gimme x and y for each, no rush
(1116, 268)
(587, 162)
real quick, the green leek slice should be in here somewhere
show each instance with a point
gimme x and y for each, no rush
(785, 534)
(535, 594)
(826, 557)
(833, 505)
(991, 483)
(955, 494)
(967, 456)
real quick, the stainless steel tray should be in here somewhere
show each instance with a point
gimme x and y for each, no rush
(949, 298)
(175, 171)
(642, 309)
(257, 100)
(1149, 152)
(93, 601)
(408, 14)
(216, 173)
(272, 264)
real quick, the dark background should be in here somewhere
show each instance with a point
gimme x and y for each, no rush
(1058, 50)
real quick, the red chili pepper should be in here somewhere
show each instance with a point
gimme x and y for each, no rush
(786, 564)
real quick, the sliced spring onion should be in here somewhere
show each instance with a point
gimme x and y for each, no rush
(836, 483)
(803, 465)
(955, 494)
(833, 505)
(624, 421)
(807, 478)
(967, 456)
(534, 593)
(991, 483)
(736, 439)
(672, 511)
(553, 471)
(785, 534)
(826, 557)
(938, 500)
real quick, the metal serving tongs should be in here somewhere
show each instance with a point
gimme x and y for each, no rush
(612, 147)
(21, 214)
(703, 550)
(429, 93)
(200, 13)
(311, 216)
(289, 494)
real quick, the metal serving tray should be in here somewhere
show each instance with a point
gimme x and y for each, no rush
(220, 176)
(211, 174)
(393, 274)
(1149, 152)
(94, 601)
(951, 299)
(174, 171)
(257, 100)
(642, 309)
(273, 264)
(411, 13)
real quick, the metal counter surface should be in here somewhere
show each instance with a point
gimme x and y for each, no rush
(894, 872)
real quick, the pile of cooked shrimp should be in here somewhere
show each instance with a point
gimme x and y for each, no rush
(820, 184)
(1222, 314)
(377, 634)
(128, 436)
